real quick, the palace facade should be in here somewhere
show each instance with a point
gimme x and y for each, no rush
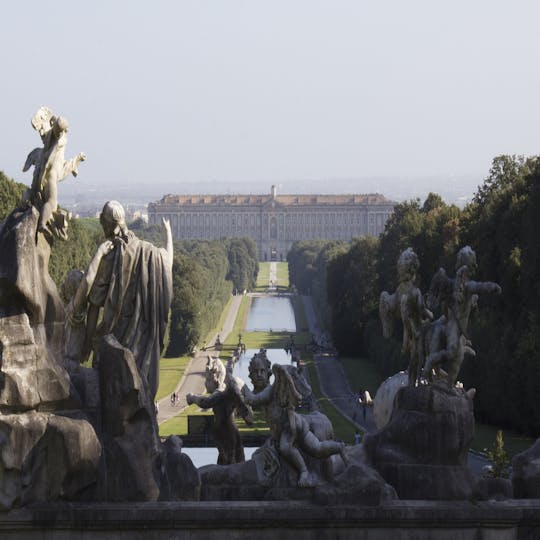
(273, 221)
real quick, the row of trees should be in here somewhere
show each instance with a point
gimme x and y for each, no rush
(502, 224)
(204, 272)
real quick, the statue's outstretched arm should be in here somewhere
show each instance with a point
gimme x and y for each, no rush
(33, 157)
(205, 402)
(262, 398)
(79, 301)
(169, 241)
(481, 287)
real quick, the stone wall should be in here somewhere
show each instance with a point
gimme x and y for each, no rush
(398, 520)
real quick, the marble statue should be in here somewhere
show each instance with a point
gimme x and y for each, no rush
(225, 401)
(448, 339)
(406, 304)
(290, 430)
(128, 283)
(50, 167)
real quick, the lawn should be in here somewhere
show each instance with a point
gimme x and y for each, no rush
(282, 275)
(514, 443)
(170, 373)
(263, 277)
(361, 373)
(178, 425)
(343, 429)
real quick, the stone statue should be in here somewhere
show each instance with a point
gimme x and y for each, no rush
(290, 430)
(132, 290)
(406, 304)
(260, 371)
(50, 167)
(456, 297)
(224, 400)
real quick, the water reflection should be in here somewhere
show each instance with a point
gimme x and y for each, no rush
(208, 456)
(271, 313)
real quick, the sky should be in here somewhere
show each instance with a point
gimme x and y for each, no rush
(272, 91)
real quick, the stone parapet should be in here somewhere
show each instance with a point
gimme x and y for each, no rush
(399, 520)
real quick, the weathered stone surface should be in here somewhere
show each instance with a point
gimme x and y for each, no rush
(137, 466)
(180, 480)
(422, 451)
(271, 520)
(30, 374)
(496, 489)
(129, 425)
(267, 476)
(526, 473)
(45, 457)
(25, 283)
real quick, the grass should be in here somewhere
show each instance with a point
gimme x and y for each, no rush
(361, 373)
(178, 425)
(514, 443)
(263, 277)
(343, 429)
(170, 373)
(282, 275)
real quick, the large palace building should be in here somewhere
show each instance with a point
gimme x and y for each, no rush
(273, 221)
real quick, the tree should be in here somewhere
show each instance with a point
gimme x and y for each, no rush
(352, 293)
(11, 193)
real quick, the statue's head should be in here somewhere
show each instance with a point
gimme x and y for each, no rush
(407, 265)
(466, 257)
(214, 375)
(42, 121)
(260, 370)
(71, 284)
(113, 219)
(59, 125)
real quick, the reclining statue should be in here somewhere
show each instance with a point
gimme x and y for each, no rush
(290, 431)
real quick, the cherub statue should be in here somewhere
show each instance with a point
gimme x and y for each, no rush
(290, 430)
(50, 167)
(407, 304)
(456, 297)
(224, 399)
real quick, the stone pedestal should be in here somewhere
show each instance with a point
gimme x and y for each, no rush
(526, 473)
(422, 451)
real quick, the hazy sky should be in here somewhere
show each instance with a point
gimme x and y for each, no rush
(275, 90)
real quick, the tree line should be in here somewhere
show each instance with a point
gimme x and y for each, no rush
(204, 272)
(502, 224)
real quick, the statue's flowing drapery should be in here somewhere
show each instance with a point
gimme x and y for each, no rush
(134, 285)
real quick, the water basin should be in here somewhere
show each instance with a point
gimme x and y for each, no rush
(271, 313)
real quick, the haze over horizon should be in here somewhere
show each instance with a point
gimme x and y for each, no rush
(258, 93)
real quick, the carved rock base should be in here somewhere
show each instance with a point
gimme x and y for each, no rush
(422, 451)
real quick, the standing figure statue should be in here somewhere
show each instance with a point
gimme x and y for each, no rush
(50, 167)
(406, 304)
(456, 297)
(128, 290)
(225, 400)
(290, 430)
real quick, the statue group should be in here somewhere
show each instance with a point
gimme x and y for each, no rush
(116, 313)
(71, 431)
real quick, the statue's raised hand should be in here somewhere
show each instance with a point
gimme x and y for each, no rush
(104, 248)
